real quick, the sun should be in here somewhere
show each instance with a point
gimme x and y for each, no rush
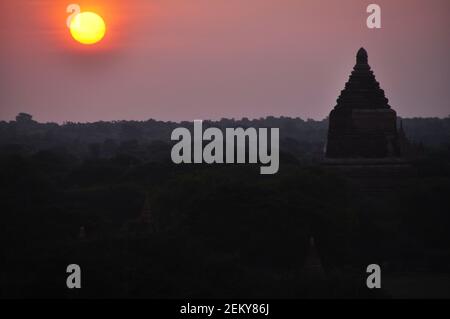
(87, 28)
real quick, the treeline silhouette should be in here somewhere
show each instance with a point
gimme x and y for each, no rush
(150, 139)
(75, 193)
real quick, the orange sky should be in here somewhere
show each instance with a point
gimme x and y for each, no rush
(189, 59)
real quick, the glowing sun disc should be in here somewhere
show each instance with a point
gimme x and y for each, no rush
(87, 28)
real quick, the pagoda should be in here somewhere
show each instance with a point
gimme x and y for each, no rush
(362, 125)
(142, 226)
(313, 264)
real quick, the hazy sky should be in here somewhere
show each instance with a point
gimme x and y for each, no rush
(202, 59)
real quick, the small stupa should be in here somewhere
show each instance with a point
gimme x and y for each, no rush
(313, 264)
(146, 212)
(144, 224)
(82, 233)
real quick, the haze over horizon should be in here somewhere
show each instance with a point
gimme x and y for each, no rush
(184, 60)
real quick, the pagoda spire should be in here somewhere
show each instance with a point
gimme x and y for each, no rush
(146, 212)
(362, 57)
(362, 91)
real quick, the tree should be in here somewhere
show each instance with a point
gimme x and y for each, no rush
(24, 118)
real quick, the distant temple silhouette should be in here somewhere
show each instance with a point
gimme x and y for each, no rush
(362, 124)
(145, 224)
(313, 264)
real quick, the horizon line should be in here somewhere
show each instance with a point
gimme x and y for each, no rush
(205, 120)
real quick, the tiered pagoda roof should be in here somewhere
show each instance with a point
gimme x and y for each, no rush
(362, 91)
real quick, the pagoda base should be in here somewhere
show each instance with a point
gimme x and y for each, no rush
(373, 175)
(362, 133)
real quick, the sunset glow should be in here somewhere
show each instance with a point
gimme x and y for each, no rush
(222, 58)
(87, 28)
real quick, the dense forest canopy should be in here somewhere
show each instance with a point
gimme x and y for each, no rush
(75, 193)
(303, 138)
